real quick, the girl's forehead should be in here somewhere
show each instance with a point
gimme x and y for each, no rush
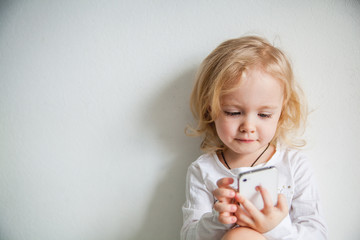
(254, 89)
(254, 77)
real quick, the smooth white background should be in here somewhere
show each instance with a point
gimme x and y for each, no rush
(94, 102)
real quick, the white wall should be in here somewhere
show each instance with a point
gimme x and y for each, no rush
(94, 101)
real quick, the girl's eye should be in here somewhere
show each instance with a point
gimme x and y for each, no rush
(232, 113)
(264, 115)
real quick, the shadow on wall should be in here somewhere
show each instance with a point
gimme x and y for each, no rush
(169, 114)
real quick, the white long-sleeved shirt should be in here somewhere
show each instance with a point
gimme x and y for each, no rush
(296, 182)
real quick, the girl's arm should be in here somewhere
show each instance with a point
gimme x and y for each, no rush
(201, 221)
(304, 221)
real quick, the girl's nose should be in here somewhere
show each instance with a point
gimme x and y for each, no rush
(247, 126)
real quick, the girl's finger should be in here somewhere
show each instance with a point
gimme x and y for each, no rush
(241, 211)
(227, 219)
(224, 207)
(223, 194)
(265, 196)
(224, 182)
(243, 218)
(245, 221)
(248, 206)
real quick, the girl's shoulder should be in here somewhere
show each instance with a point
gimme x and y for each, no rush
(295, 159)
(289, 153)
(206, 160)
(207, 164)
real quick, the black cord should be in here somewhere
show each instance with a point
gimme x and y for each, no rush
(222, 154)
(260, 155)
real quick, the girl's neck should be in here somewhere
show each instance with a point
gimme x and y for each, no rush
(235, 160)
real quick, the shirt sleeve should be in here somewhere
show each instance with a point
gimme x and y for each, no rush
(200, 219)
(304, 221)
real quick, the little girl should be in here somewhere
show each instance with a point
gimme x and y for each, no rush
(248, 109)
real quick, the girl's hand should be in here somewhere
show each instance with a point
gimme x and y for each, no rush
(225, 204)
(261, 220)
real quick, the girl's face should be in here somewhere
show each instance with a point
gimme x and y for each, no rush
(249, 114)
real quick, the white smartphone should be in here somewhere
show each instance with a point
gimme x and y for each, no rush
(267, 177)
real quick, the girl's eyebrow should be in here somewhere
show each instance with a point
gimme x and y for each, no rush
(269, 107)
(233, 104)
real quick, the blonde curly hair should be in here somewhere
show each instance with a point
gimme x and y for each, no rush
(221, 71)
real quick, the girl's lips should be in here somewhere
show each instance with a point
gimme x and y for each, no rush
(246, 140)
